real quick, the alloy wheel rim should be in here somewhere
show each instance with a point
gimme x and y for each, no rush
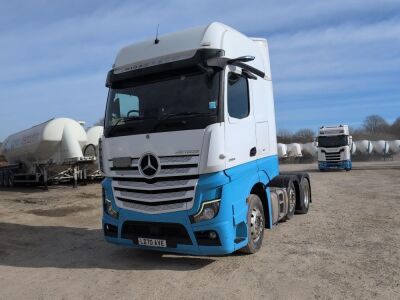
(306, 189)
(256, 224)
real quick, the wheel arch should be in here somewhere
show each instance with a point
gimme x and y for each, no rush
(262, 192)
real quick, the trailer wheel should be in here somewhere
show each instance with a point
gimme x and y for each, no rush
(255, 225)
(291, 194)
(305, 196)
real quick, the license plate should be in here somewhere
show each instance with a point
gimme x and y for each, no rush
(152, 242)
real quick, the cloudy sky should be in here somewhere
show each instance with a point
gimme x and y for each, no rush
(332, 61)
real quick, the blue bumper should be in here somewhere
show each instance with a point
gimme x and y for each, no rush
(345, 165)
(222, 224)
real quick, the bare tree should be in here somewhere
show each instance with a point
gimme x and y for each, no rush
(284, 136)
(304, 135)
(374, 124)
(395, 128)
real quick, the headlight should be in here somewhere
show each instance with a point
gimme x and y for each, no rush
(208, 210)
(107, 206)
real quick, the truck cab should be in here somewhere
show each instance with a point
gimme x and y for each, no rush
(334, 148)
(189, 151)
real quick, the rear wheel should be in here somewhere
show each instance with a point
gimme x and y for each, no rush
(305, 196)
(255, 225)
(291, 194)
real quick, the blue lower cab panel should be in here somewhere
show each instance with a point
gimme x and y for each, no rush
(224, 234)
(185, 243)
(345, 164)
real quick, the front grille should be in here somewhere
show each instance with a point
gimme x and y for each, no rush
(172, 189)
(171, 232)
(332, 156)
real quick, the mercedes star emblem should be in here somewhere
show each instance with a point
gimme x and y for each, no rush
(149, 165)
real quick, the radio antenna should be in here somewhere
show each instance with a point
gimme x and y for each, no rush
(156, 41)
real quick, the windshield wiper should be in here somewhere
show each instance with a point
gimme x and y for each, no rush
(119, 121)
(181, 114)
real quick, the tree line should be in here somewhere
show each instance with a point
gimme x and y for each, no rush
(374, 127)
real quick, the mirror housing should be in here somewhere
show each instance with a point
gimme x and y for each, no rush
(350, 140)
(315, 142)
(222, 62)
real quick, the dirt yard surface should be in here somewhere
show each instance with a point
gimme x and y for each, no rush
(347, 246)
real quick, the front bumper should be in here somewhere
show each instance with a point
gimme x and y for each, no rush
(188, 246)
(180, 234)
(345, 164)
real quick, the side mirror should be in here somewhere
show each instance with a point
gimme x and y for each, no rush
(245, 58)
(315, 142)
(222, 62)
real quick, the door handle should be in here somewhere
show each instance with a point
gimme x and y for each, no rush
(253, 151)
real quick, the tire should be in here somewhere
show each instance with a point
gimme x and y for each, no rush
(291, 193)
(255, 225)
(305, 196)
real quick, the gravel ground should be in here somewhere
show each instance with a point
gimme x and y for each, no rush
(347, 246)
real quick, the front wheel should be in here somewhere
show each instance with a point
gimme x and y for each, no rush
(255, 225)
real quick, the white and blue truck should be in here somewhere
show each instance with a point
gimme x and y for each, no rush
(334, 145)
(189, 151)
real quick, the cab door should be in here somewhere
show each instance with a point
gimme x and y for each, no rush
(240, 136)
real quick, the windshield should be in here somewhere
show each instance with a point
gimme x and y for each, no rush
(181, 102)
(332, 141)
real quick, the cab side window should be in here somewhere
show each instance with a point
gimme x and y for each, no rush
(238, 96)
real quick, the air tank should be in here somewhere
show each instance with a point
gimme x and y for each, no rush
(364, 146)
(56, 141)
(93, 135)
(309, 148)
(282, 150)
(294, 150)
(381, 147)
(394, 146)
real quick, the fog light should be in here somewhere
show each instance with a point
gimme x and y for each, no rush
(213, 235)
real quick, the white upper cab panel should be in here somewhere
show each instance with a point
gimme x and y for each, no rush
(183, 45)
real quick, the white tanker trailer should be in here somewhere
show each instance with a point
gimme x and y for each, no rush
(381, 147)
(282, 150)
(364, 146)
(394, 146)
(93, 135)
(44, 152)
(294, 150)
(92, 149)
(309, 148)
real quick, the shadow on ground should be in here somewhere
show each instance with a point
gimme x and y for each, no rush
(69, 247)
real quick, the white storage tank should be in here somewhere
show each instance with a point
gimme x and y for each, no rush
(364, 146)
(381, 147)
(309, 148)
(394, 146)
(294, 150)
(282, 150)
(56, 140)
(93, 135)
